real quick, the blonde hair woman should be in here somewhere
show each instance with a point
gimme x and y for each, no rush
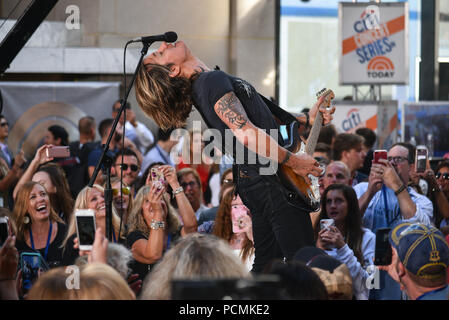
(89, 198)
(39, 229)
(97, 281)
(196, 256)
(152, 226)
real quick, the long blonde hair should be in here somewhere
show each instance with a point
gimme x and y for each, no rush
(136, 220)
(21, 206)
(81, 202)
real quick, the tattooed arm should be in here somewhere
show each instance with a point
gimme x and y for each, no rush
(230, 110)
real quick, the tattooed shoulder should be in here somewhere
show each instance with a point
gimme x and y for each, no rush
(231, 111)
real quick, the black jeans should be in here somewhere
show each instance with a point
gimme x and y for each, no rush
(281, 222)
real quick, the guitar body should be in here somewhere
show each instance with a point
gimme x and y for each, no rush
(297, 184)
(310, 194)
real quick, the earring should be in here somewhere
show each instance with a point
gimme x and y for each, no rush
(26, 220)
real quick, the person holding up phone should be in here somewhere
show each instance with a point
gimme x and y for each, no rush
(386, 200)
(9, 259)
(346, 240)
(39, 228)
(53, 178)
(438, 182)
(90, 198)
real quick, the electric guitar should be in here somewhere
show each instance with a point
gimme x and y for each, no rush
(296, 183)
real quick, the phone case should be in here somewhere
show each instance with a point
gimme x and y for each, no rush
(58, 152)
(379, 154)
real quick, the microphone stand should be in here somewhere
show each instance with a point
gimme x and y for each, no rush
(106, 160)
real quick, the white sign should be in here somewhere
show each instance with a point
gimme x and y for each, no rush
(374, 42)
(382, 117)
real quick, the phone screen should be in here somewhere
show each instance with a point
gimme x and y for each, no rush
(421, 160)
(3, 232)
(383, 250)
(30, 269)
(86, 229)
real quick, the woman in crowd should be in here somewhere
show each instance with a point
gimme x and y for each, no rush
(52, 176)
(438, 193)
(39, 229)
(347, 240)
(153, 223)
(97, 281)
(8, 178)
(90, 198)
(123, 201)
(196, 256)
(233, 224)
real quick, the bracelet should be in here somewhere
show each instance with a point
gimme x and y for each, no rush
(178, 190)
(157, 225)
(402, 188)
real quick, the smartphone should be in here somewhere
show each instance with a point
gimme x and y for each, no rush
(379, 154)
(421, 159)
(85, 228)
(30, 264)
(4, 230)
(157, 176)
(383, 252)
(326, 223)
(58, 152)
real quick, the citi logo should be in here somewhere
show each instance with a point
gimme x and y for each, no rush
(380, 67)
(352, 120)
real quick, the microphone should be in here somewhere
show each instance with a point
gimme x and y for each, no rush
(167, 37)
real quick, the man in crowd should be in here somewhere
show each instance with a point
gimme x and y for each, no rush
(126, 167)
(348, 148)
(385, 201)
(161, 151)
(419, 261)
(81, 149)
(190, 181)
(135, 131)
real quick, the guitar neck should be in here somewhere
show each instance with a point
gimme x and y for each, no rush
(314, 134)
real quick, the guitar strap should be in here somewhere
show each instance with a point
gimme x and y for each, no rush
(284, 116)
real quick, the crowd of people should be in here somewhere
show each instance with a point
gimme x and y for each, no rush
(205, 229)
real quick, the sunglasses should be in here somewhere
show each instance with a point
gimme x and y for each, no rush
(192, 184)
(445, 176)
(125, 190)
(4, 124)
(132, 166)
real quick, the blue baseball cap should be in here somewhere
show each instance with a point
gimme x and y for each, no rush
(422, 249)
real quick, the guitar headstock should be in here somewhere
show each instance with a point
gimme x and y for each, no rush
(325, 96)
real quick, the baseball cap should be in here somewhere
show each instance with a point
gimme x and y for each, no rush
(335, 276)
(422, 249)
(307, 254)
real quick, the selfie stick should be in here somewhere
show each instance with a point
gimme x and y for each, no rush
(106, 160)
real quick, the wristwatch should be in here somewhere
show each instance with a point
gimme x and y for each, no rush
(157, 224)
(402, 188)
(178, 190)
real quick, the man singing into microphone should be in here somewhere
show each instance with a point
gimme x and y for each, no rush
(172, 79)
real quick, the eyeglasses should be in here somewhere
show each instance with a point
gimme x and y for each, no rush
(191, 184)
(4, 124)
(125, 190)
(445, 176)
(397, 160)
(132, 166)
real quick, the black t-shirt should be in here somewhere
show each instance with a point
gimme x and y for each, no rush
(142, 269)
(54, 254)
(211, 86)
